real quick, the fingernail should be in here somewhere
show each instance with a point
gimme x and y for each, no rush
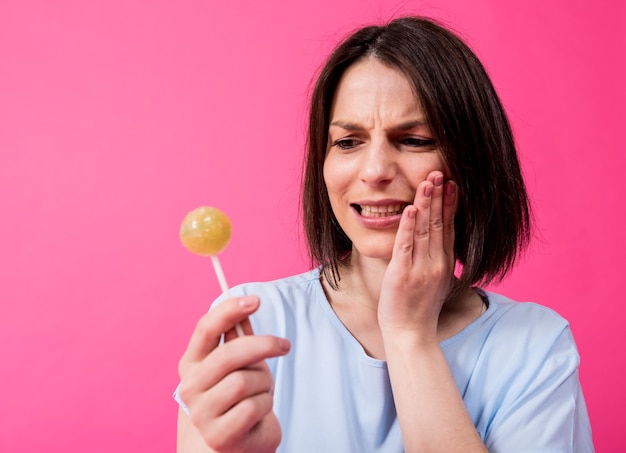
(450, 188)
(284, 344)
(411, 211)
(247, 301)
(438, 180)
(428, 190)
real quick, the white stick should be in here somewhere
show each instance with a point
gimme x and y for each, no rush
(222, 279)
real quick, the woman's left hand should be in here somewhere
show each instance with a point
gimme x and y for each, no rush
(421, 271)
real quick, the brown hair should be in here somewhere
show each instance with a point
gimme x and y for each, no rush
(470, 129)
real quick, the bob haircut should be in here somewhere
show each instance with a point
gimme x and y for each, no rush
(470, 130)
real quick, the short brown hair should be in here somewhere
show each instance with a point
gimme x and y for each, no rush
(470, 129)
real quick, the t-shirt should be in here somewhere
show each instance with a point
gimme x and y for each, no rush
(516, 367)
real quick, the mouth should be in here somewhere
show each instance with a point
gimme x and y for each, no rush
(377, 211)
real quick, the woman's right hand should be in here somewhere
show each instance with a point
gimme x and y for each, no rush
(228, 388)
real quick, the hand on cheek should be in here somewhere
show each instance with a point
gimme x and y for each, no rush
(420, 272)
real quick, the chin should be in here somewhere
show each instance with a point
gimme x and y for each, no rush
(381, 250)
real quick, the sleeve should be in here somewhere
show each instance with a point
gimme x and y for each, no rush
(543, 409)
(180, 402)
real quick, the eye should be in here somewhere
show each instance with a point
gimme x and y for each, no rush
(346, 143)
(418, 142)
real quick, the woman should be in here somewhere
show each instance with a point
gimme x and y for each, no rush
(411, 172)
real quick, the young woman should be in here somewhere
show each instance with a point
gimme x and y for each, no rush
(411, 173)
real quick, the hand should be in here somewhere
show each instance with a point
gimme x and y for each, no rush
(228, 388)
(420, 273)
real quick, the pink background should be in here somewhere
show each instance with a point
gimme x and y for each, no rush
(117, 117)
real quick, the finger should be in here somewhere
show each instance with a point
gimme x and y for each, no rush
(422, 202)
(242, 352)
(235, 425)
(245, 325)
(234, 388)
(450, 203)
(249, 351)
(436, 215)
(403, 244)
(222, 318)
(246, 351)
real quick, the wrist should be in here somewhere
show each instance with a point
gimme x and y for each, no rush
(410, 340)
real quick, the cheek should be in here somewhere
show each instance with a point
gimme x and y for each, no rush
(421, 168)
(333, 177)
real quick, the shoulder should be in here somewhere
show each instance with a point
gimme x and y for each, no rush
(508, 324)
(295, 285)
(512, 343)
(528, 319)
(528, 376)
(286, 303)
(516, 334)
(528, 338)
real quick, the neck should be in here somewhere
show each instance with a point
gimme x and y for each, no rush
(362, 278)
(356, 304)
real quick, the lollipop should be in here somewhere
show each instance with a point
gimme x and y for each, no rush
(206, 231)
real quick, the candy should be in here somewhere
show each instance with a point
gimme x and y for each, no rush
(205, 231)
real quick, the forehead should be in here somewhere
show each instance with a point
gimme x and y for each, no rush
(370, 89)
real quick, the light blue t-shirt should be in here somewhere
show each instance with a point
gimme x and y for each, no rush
(516, 368)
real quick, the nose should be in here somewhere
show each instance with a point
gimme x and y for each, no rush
(378, 166)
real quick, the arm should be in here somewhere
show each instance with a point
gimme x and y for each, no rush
(432, 415)
(227, 387)
(430, 409)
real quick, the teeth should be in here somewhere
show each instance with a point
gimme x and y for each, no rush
(381, 211)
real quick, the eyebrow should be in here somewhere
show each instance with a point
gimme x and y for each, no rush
(408, 125)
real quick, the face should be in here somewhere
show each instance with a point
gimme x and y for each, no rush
(379, 150)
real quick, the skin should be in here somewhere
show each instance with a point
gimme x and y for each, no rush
(228, 388)
(393, 294)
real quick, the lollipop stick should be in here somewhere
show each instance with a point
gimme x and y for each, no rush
(222, 279)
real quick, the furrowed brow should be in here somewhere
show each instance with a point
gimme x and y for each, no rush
(406, 126)
(414, 124)
(347, 125)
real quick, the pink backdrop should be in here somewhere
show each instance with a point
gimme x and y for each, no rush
(119, 116)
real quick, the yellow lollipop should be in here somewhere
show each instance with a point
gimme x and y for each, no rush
(206, 231)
